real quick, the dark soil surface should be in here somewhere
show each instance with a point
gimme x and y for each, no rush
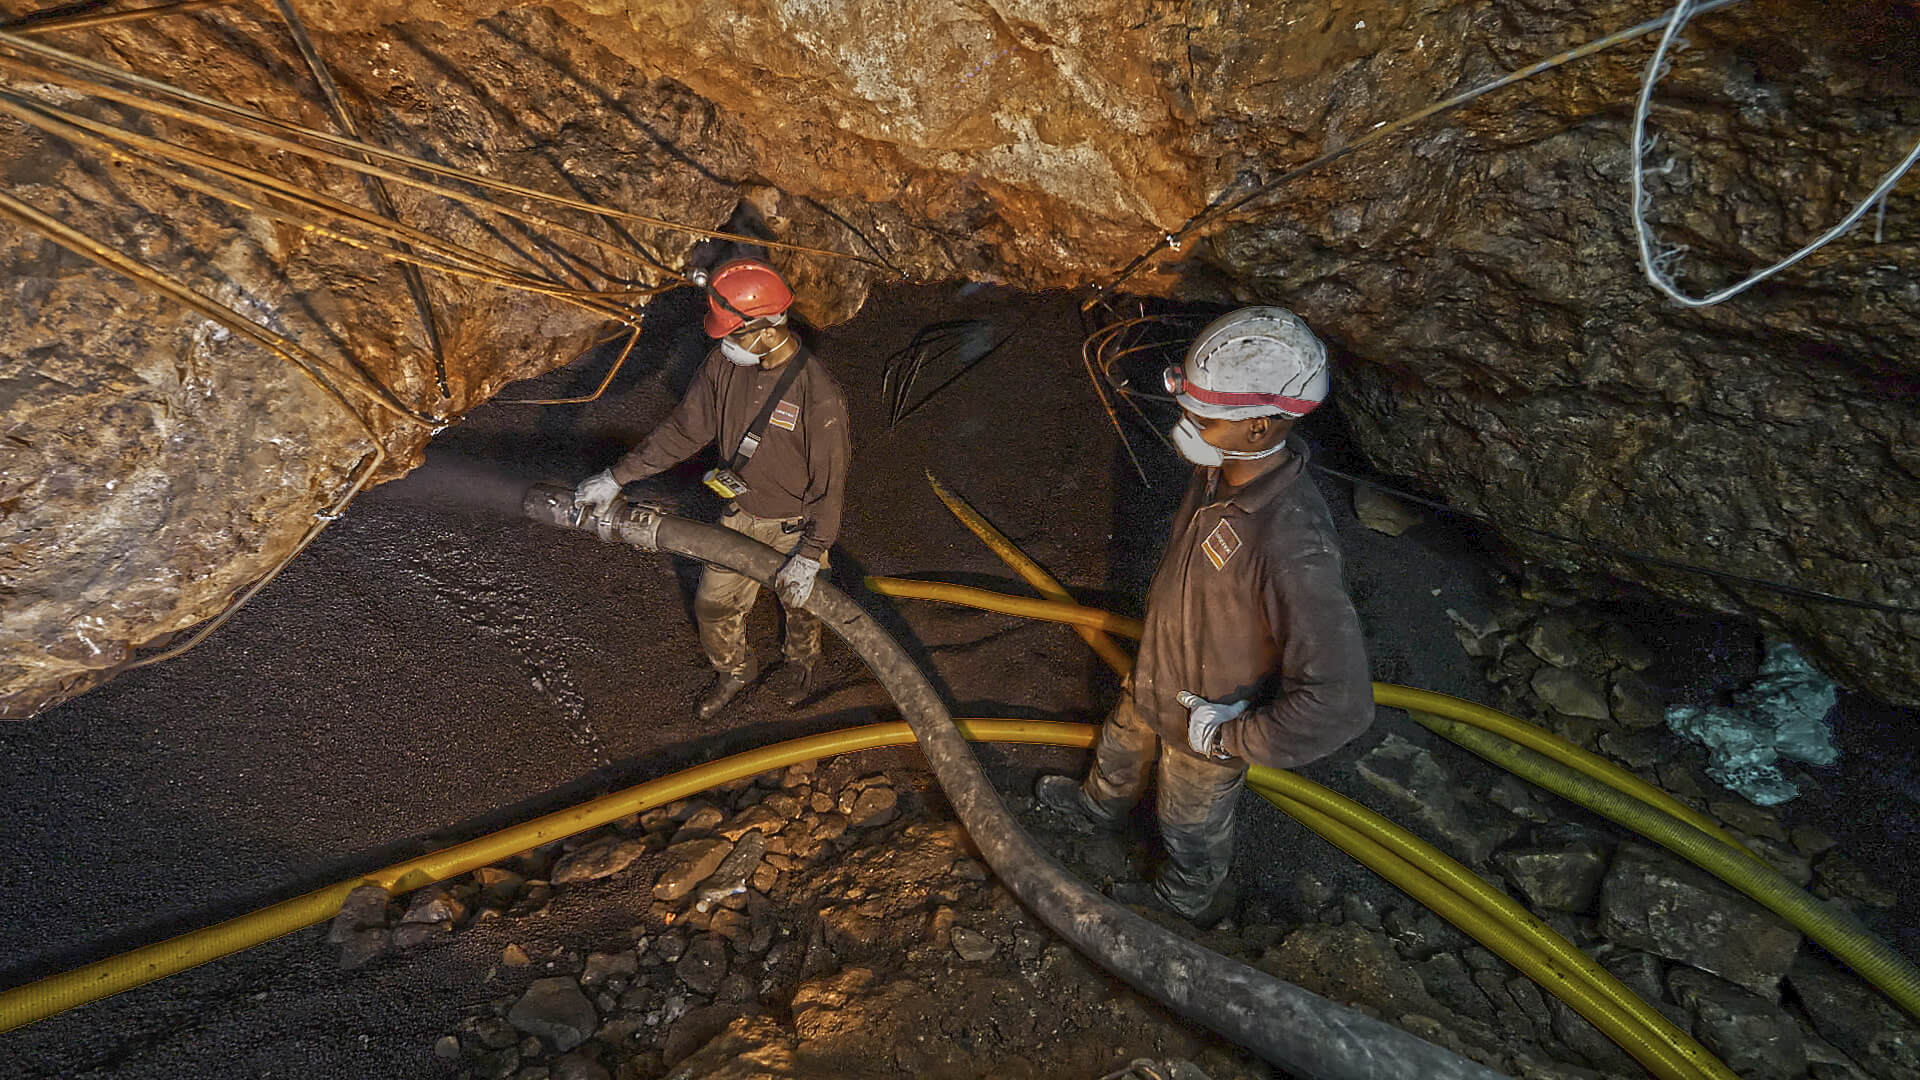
(435, 668)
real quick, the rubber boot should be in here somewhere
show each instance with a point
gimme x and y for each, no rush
(1153, 894)
(1064, 796)
(724, 688)
(794, 682)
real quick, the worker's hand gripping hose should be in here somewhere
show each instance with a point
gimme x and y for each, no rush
(1290, 1027)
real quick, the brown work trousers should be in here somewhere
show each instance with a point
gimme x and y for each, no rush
(1194, 806)
(721, 603)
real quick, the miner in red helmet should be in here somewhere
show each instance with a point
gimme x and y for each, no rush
(781, 423)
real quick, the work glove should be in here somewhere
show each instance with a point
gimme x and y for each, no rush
(597, 492)
(794, 582)
(1204, 721)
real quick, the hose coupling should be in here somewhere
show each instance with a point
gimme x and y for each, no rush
(622, 523)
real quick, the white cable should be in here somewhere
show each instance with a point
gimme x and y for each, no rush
(1655, 264)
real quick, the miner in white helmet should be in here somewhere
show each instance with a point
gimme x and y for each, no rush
(1252, 651)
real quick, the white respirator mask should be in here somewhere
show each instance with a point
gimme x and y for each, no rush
(738, 353)
(1186, 439)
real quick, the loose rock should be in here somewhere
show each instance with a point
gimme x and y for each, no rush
(972, 945)
(1383, 513)
(604, 966)
(1571, 692)
(704, 964)
(1554, 640)
(1653, 902)
(729, 877)
(688, 864)
(599, 859)
(1564, 876)
(555, 1010)
(1755, 1037)
(1635, 702)
(1427, 795)
(1856, 1019)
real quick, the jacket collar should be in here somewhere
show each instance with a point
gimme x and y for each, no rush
(1267, 485)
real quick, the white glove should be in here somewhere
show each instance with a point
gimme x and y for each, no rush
(794, 582)
(597, 492)
(1204, 721)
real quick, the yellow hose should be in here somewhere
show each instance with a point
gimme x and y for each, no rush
(1495, 920)
(23, 1005)
(1544, 742)
(1389, 694)
(1023, 606)
(1032, 573)
(1423, 872)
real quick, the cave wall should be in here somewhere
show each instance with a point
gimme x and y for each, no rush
(1475, 274)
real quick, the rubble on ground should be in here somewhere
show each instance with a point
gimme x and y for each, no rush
(824, 920)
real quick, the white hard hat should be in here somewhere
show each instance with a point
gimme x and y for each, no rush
(1257, 361)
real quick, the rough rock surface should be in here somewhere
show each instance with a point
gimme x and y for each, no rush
(1423, 793)
(1755, 1037)
(1856, 1019)
(1654, 902)
(1475, 273)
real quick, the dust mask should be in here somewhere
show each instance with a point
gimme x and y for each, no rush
(1186, 439)
(738, 353)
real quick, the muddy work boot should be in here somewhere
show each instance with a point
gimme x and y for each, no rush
(1152, 894)
(1063, 796)
(725, 687)
(793, 683)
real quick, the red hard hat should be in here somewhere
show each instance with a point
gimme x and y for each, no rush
(751, 288)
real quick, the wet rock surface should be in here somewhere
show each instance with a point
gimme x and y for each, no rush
(947, 142)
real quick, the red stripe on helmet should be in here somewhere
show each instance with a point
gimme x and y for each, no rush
(1231, 400)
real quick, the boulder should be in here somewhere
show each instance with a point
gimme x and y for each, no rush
(1838, 873)
(578, 1066)
(751, 1048)
(555, 1010)
(1755, 1037)
(1652, 901)
(1425, 797)
(1579, 1035)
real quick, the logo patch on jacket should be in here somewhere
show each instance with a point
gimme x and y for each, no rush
(1220, 544)
(786, 415)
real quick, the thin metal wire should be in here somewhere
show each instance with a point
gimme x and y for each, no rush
(352, 146)
(348, 162)
(376, 191)
(1658, 263)
(28, 24)
(632, 339)
(1225, 203)
(165, 159)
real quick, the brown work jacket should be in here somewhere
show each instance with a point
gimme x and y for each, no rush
(1248, 605)
(800, 468)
